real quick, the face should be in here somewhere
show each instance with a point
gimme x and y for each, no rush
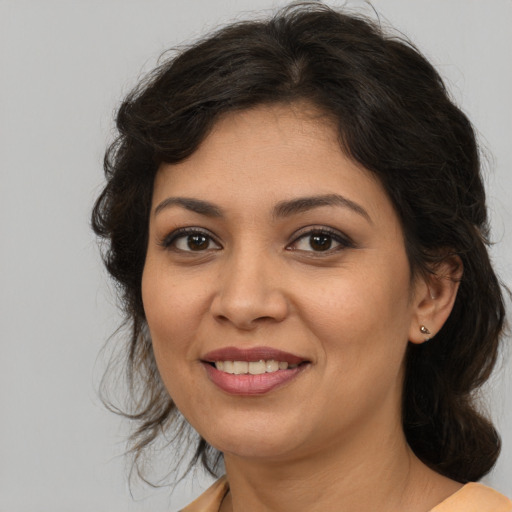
(277, 288)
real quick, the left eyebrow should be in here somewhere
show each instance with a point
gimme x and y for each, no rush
(303, 204)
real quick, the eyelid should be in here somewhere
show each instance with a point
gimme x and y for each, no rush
(168, 241)
(344, 240)
(339, 237)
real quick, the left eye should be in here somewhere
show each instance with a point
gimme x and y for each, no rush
(319, 241)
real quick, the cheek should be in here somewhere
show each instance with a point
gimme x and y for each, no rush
(171, 313)
(359, 301)
(362, 319)
(171, 304)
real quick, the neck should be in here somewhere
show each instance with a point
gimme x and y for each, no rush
(378, 472)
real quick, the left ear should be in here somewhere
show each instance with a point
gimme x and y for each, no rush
(434, 296)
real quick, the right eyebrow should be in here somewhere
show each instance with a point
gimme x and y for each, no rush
(193, 205)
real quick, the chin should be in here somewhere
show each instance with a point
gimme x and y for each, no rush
(254, 448)
(257, 438)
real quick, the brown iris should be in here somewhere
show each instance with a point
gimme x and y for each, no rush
(197, 242)
(320, 242)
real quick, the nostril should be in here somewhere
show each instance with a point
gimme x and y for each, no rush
(246, 306)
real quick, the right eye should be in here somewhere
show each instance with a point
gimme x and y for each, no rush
(191, 240)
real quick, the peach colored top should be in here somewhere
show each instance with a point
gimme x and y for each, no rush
(472, 497)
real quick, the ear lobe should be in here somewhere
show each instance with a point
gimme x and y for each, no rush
(434, 298)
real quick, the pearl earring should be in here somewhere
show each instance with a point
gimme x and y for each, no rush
(424, 330)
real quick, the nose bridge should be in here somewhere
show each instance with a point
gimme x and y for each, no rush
(249, 290)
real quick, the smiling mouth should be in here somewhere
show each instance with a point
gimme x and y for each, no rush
(235, 377)
(252, 361)
(252, 371)
(253, 367)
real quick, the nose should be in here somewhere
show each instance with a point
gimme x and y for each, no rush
(249, 292)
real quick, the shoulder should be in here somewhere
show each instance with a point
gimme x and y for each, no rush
(474, 497)
(211, 499)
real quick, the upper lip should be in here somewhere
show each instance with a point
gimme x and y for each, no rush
(251, 354)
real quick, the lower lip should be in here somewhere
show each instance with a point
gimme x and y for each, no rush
(250, 385)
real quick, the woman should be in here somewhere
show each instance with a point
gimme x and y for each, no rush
(297, 221)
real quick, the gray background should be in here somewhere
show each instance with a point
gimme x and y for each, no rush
(64, 65)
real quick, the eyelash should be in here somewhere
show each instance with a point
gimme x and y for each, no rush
(343, 241)
(170, 240)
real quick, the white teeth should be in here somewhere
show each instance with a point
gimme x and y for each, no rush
(253, 367)
(271, 366)
(228, 366)
(257, 368)
(240, 367)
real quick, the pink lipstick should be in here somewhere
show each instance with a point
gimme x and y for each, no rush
(252, 371)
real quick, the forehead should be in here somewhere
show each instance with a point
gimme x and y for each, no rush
(278, 134)
(257, 157)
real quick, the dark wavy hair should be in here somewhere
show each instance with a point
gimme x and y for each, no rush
(394, 117)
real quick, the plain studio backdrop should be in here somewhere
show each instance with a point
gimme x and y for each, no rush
(64, 66)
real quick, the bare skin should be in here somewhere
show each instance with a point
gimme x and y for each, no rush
(268, 235)
(401, 483)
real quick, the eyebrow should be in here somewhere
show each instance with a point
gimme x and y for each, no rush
(303, 204)
(282, 209)
(194, 205)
